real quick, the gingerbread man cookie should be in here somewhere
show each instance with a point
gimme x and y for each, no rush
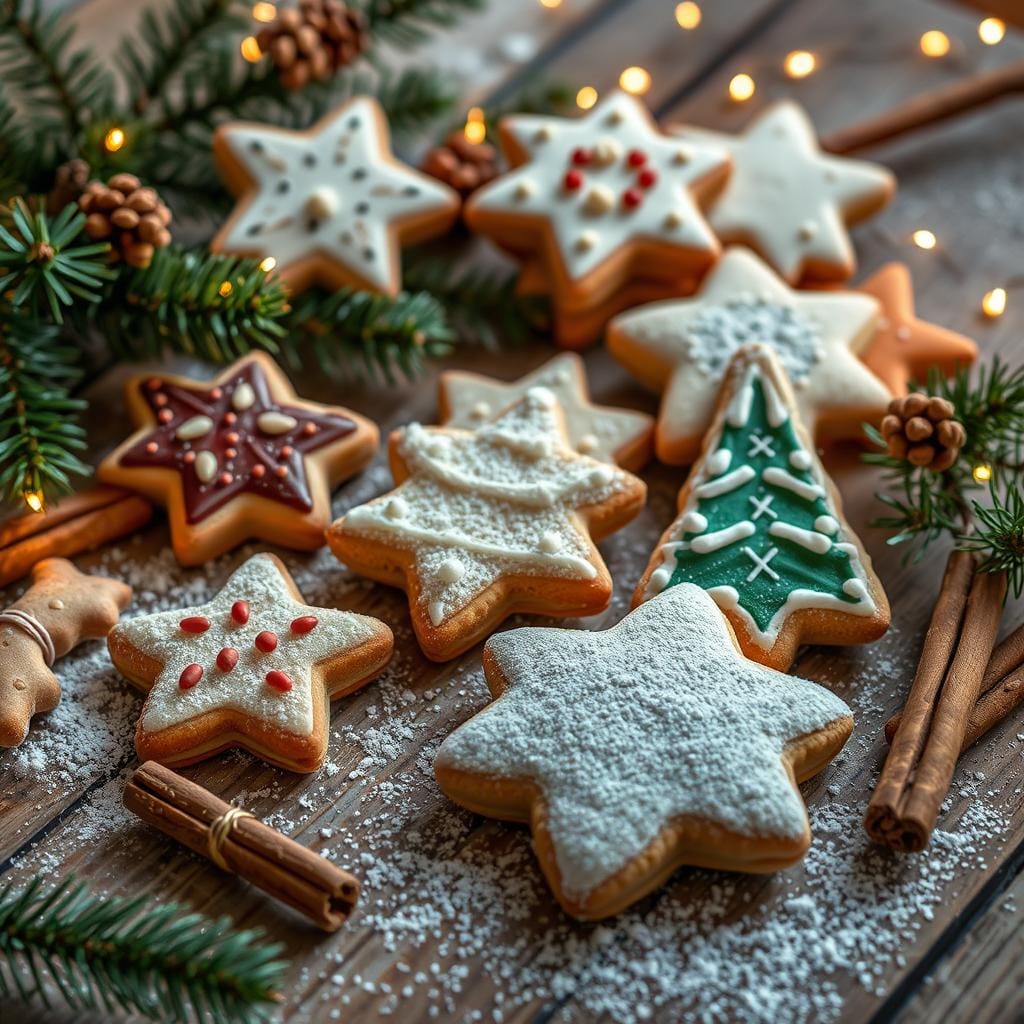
(601, 201)
(682, 348)
(237, 457)
(61, 608)
(761, 528)
(490, 522)
(331, 205)
(789, 200)
(633, 751)
(610, 434)
(254, 668)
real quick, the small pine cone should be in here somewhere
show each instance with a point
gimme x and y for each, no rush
(462, 164)
(314, 40)
(68, 184)
(922, 430)
(129, 215)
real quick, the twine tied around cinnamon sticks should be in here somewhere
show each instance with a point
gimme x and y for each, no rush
(238, 842)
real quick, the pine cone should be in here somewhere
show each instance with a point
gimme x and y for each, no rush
(313, 40)
(462, 164)
(68, 184)
(131, 217)
(922, 430)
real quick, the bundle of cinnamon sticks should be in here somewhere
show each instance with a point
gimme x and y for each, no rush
(240, 843)
(948, 702)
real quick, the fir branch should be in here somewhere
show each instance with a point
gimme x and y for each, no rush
(408, 22)
(413, 98)
(998, 534)
(542, 97)
(120, 955)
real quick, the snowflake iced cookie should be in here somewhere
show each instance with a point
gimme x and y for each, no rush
(905, 348)
(600, 201)
(636, 750)
(790, 201)
(489, 522)
(682, 347)
(761, 529)
(254, 668)
(331, 205)
(610, 434)
(238, 457)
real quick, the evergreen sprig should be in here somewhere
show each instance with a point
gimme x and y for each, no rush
(408, 22)
(119, 955)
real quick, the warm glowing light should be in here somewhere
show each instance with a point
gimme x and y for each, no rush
(476, 127)
(267, 264)
(226, 289)
(114, 140)
(264, 12)
(799, 63)
(994, 302)
(982, 473)
(550, 4)
(688, 15)
(741, 88)
(251, 49)
(586, 97)
(991, 31)
(934, 43)
(635, 80)
(924, 239)
(34, 500)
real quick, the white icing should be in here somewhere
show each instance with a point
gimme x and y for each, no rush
(722, 538)
(206, 466)
(450, 570)
(659, 579)
(396, 508)
(271, 607)
(762, 506)
(800, 459)
(778, 477)
(816, 542)
(550, 542)
(724, 484)
(300, 179)
(857, 589)
(826, 524)
(693, 522)
(193, 428)
(718, 462)
(666, 720)
(762, 563)
(725, 597)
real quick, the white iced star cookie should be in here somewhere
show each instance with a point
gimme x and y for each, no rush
(622, 436)
(633, 751)
(254, 668)
(601, 200)
(682, 347)
(331, 205)
(789, 200)
(490, 522)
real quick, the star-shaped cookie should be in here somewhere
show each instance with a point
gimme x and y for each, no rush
(636, 750)
(254, 668)
(607, 433)
(905, 348)
(237, 457)
(490, 522)
(601, 200)
(331, 205)
(682, 348)
(789, 200)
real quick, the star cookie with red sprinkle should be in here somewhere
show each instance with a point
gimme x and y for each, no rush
(254, 668)
(237, 458)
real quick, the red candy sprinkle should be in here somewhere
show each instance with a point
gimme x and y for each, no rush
(195, 624)
(266, 641)
(258, 471)
(279, 680)
(573, 180)
(230, 418)
(159, 398)
(240, 612)
(581, 157)
(304, 624)
(165, 415)
(281, 471)
(227, 659)
(632, 198)
(286, 451)
(309, 429)
(190, 675)
(189, 457)
(230, 453)
(225, 478)
(231, 437)
(152, 447)
(154, 383)
(216, 393)
(636, 158)
(647, 177)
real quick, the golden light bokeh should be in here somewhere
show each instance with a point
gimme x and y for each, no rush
(250, 49)
(226, 289)
(476, 128)
(267, 264)
(799, 63)
(934, 43)
(688, 15)
(264, 11)
(991, 31)
(982, 473)
(550, 4)
(34, 500)
(114, 140)
(741, 87)
(635, 80)
(994, 303)
(586, 97)
(924, 239)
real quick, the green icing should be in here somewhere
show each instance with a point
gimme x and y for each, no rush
(797, 568)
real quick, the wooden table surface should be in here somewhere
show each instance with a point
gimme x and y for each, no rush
(455, 921)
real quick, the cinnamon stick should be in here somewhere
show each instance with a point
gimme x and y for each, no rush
(18, 527)
(920, 766)
(84, 526)
(249, 848)
(935, 105)
(999, 694)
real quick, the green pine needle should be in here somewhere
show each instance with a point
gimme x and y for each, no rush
(409, 22)
(118, 955)
(998, 535)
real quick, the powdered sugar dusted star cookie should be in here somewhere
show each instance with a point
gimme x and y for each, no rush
(789, 200)
(237, 457)
(331, 205)
(636, 750)
(682, 348)
(255, 668)
(489, 522)
(601, 200)
(761, 528)
(607, 433)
